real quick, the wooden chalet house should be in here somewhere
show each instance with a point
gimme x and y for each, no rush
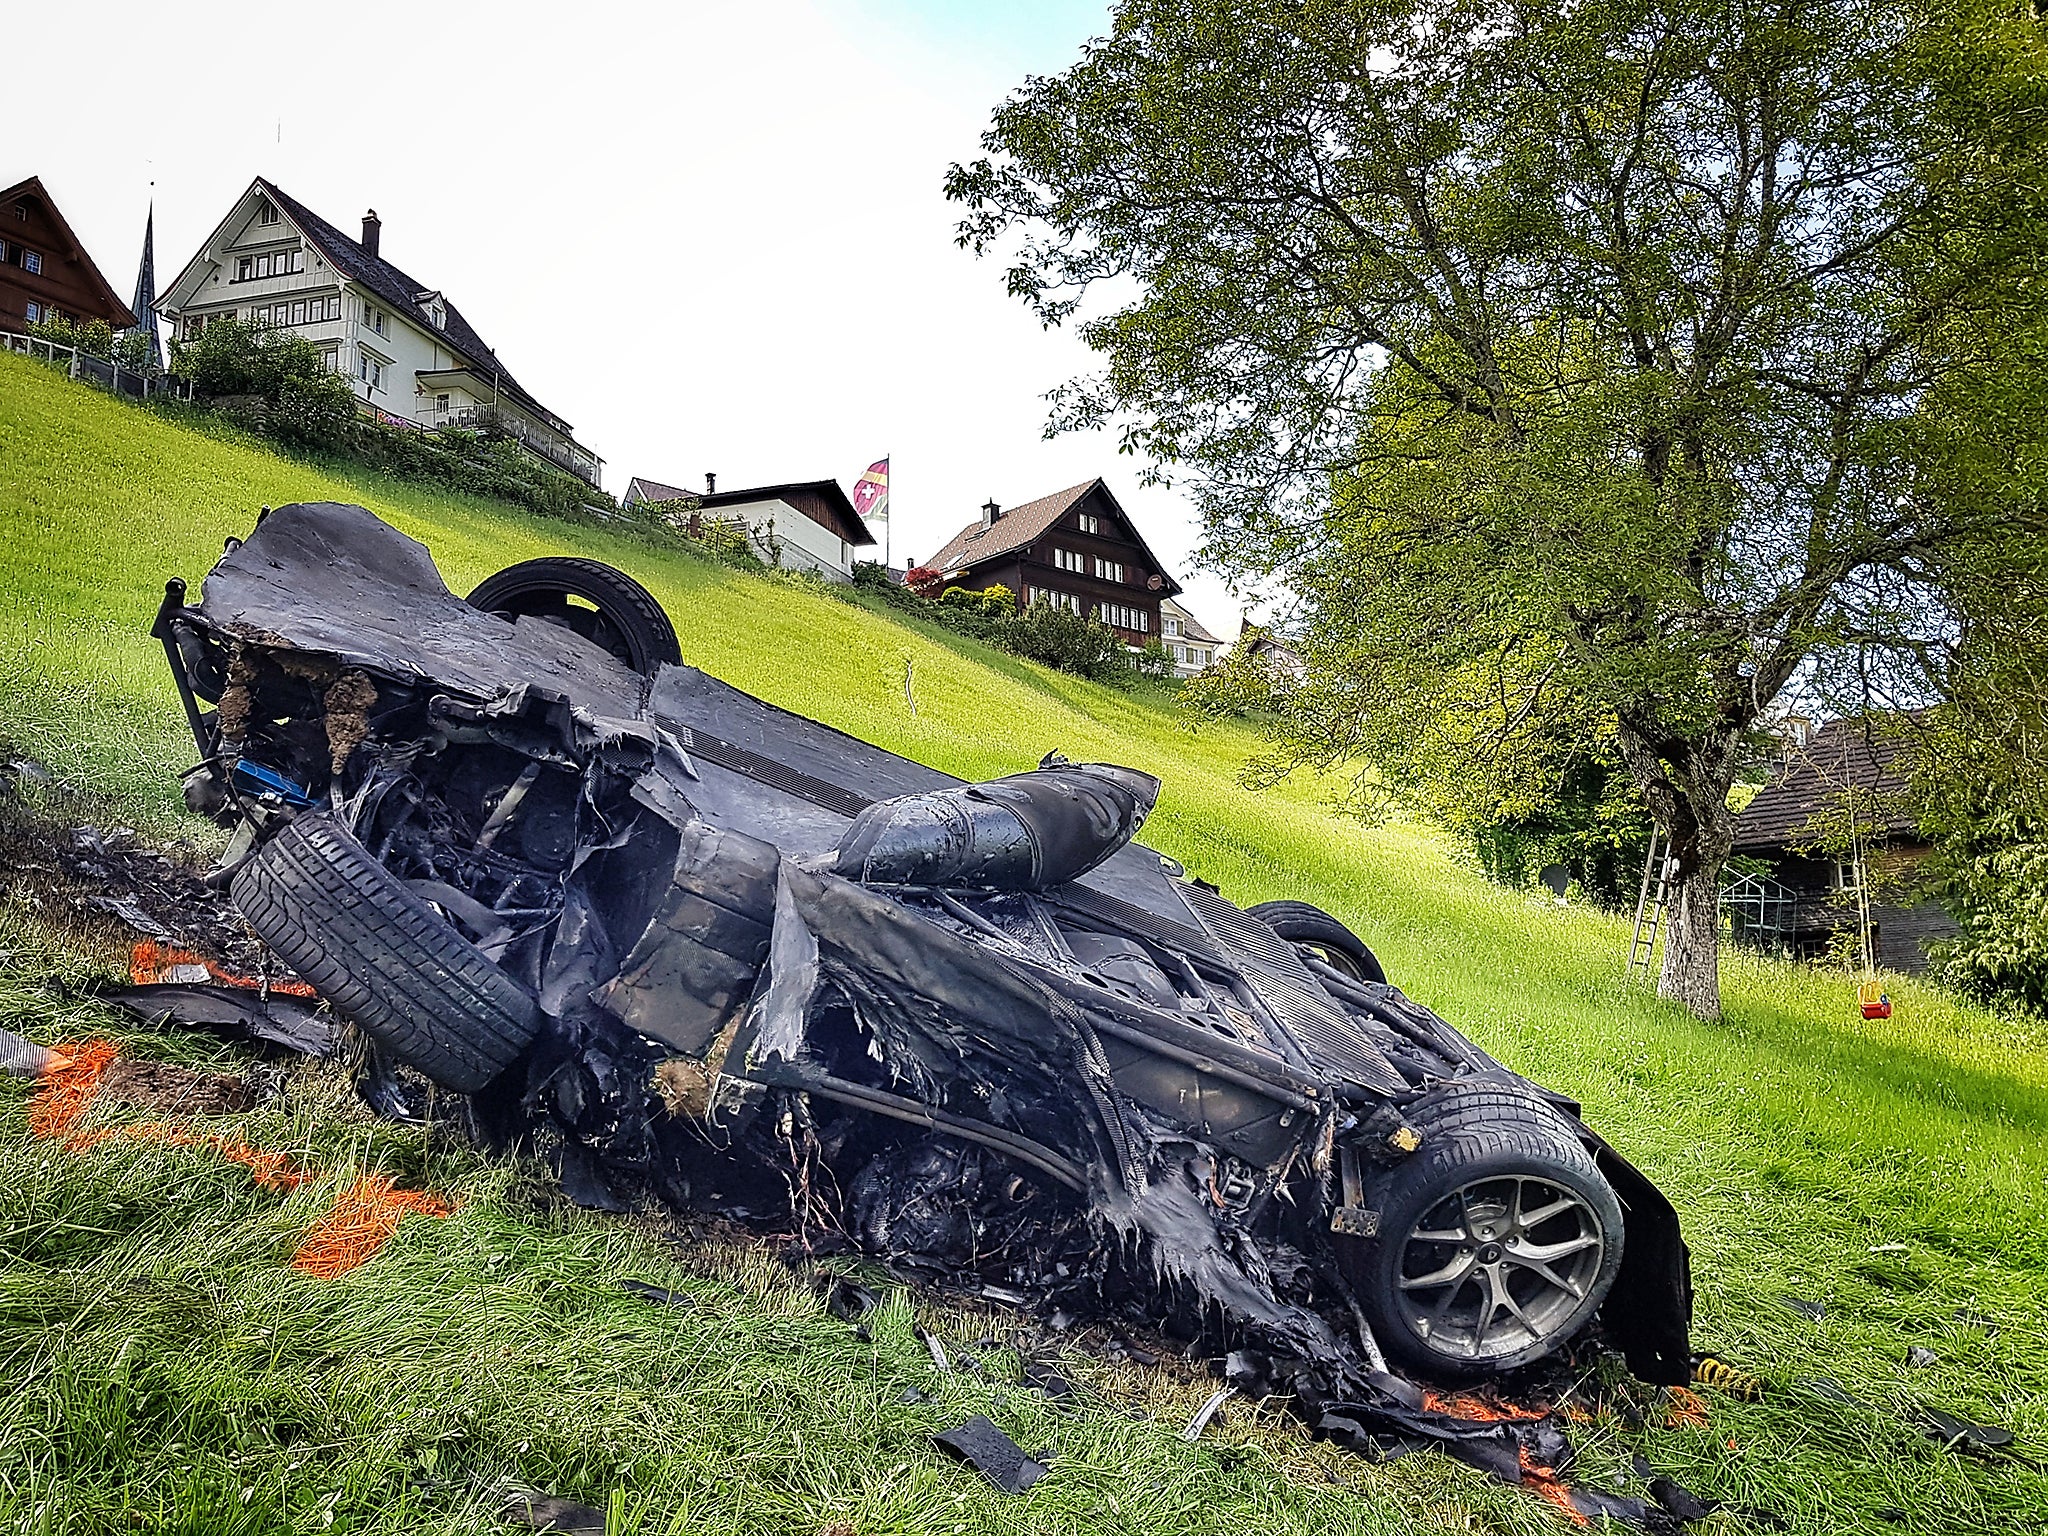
(45, 273)
(1807, 894)
(1076, 549)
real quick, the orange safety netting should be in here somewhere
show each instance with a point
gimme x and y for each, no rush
(70, 1082)
(362, 1221)
(151, 963)
(1684, 1409)
(1548, 1486)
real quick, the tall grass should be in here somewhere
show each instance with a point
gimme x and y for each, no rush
(1894, 1170)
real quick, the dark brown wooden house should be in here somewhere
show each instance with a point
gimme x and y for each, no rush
(1809, 892)
(1076, 549)
(45, 274)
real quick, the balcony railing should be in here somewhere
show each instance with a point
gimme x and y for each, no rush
(494, 420)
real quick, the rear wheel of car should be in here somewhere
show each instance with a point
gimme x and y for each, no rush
(1498, 1237)
(1310, 928)
(387, 961)
(599, 602)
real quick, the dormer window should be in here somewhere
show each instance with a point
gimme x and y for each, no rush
(265, 213)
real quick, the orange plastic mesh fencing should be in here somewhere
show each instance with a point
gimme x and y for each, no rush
(1548, 1486)
(150, 963)
(69, 1084)
(362, 1221)
(1684, 1409)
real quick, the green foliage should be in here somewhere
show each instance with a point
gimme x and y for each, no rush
(95, 338)
(1072, 642)
(996, 602)
(1611, 368)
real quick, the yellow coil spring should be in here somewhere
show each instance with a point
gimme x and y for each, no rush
(1723, 1377)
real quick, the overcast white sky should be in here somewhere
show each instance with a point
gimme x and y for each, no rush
(712, 236)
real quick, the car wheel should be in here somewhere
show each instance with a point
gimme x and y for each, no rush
(388, 962)
(1310, 928)
(1498, 1238)
(599, 602)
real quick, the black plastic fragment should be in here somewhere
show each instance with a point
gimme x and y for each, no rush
(1043, 1378)
(276, 1022)
(849, 1300)
(1831, 1391)
(1959, 1434)
(1678, 1501)
(992, 1453)
(1814, 1310)
(1919, 1358)
(542, 1512)
(658, 1294)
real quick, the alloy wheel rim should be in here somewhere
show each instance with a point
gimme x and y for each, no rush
(1498, 1265)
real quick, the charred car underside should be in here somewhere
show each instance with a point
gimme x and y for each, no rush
(697, 947)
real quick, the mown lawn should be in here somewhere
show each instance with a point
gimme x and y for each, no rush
(167, 1372)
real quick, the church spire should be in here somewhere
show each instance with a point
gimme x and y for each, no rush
(145, 289)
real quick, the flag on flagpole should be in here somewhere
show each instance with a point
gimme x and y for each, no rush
(871, 500)
(871, 491)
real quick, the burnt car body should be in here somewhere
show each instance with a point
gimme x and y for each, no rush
(692, 943)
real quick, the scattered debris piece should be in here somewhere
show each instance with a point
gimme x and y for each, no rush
(910, 1396)
(167, 1089)
(27, 770)
(22, 1057)
(132, 915)
(541, 1512)
(1919, 1357)
(660, 1295)
(1678, 1502)
(1831, 1390)
(1041, 1377)
(849, 1300)
(278, 1022)
(1959, 1434)
(1205, 1413)
(993, 1454)
(1814, 1310)
(935, 1348)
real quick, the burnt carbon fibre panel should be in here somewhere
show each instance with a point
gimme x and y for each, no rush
(1326, 1034)
(768, 771)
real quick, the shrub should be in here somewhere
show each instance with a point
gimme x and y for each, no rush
(922, 580)
(95, 338)
(1073, 643)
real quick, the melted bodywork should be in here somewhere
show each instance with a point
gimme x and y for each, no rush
(795, 978)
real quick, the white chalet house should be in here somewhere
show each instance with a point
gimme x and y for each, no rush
(808, 525)
(1193, 649)
(413, 358)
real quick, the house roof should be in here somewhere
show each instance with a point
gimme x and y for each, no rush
(639, 488)
(1023, 525)
(834, 500)
(407, 295)
(1193, 628)
(1839, 756)
(33, 187)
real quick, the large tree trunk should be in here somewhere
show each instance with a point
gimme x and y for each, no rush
(1685, 784)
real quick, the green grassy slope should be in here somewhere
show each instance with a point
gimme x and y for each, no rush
(1895, 1170)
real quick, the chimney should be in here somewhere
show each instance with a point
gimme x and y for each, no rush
(710, 483)
(372, 228)
(990, 511)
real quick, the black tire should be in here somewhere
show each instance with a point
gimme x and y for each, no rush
(1311, 928)
(1491, 1154)
(599, 602)
(387, 961)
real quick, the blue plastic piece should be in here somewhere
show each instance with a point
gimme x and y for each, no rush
(254, 778)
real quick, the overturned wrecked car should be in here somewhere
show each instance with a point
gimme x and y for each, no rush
(692, 945)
